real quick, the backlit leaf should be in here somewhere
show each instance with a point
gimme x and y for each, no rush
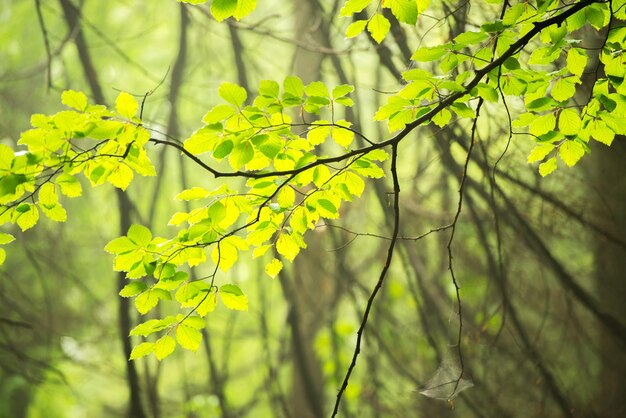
(232, 93)
(569, 122)
(188, 338)
(287, 246)
(576, 61)
(539, 152)
(233, 298)
(141, 350)
(571, 152)
(74, 99)
(547, 167)
(133, 288)
(241, 155)
(404, 10)
(26, 216)
(378, 27)
(69, 186)
(222, 9)
(194, 193)
(341, 134)
(140, 235)
(126, 105)
(354, 6)
(244, 8)
(6, 238)
(355, 28)
(273, 268)
(164, 346)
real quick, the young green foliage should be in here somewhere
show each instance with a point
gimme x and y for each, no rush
(278, 142)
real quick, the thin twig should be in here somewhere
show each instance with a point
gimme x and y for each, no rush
(383, 274)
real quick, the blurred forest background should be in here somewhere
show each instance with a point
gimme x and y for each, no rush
(540, 262)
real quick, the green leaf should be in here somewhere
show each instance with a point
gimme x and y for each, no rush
(542, 124)
(449, 62)
(342, 90)
(287, 246)
(164, 346)
(153, 325)
(195, 322)
(222, 9)
(341, 133)
(543, 103)
(422, 5)
(286, 197)
(273, 268)
(327, 209)
(146, 301)
(353, 6)
(426, 54)
(571, 152)
(48, 194)
(547, 167)
(442, 118)
(74, 99)
(188, 338)
(463, 110)
(232, 93)
(318, 134)
(316, 89)
(241, 155)
(378, 27)
(194, 193)
(355, 28)
(121, 176)
(6, 157)
(208, 304)
(140, 235)
(54, 212)
(601, 132)
(470, 38)
(540, 152)
(69, 186)
(269, 88)
(224, 254)
(141, 350)
(269, 145)
(8, 186)
(354, 182)
(126, 105)
(293, 86)
(219, 113)
(244, 8)
(569, 122)
(564, 89)
(233, 298)
(26, 216)
(133, 288)
(404, 10)
(223, 149)
(6, 238)
(121, 245)
(321, 174)
(576, 61)
(487, 92)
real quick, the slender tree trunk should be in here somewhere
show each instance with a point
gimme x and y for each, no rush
(609, 183)
(607, 187)
(72, 17)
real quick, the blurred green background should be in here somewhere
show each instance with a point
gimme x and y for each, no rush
(540, 262)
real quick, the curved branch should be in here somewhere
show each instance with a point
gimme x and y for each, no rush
(383, 274)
